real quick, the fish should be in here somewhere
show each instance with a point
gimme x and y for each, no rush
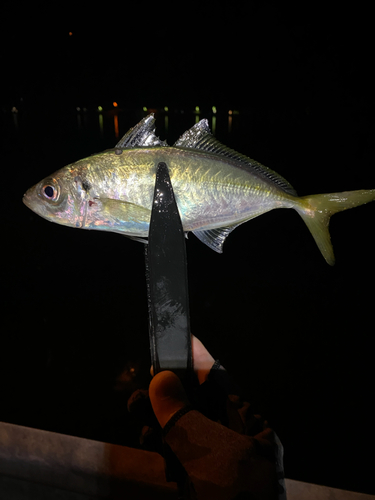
(216, 189)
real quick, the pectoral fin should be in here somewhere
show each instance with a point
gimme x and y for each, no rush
(125, 211)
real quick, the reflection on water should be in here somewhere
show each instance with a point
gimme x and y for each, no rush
(166, 109)
(15, 117)
(115, 123)
(230, 121)
(79, 118)
(197, 111)
(101, 122)
(108, 120)
(107, 125)
(115, 120)
(213, 128)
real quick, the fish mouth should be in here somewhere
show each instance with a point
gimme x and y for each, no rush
(26, 199)
(29, 198)
(31, 203)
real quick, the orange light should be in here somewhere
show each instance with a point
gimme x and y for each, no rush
(115, 123)
(70, 33)
(115, 104)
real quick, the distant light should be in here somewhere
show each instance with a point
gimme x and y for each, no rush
(115, 104)
(214, 110)
(166, 109)
(230, 112)
(70, 33)
(78, 108)
(197, 110)
(100, 109)
(144, 109)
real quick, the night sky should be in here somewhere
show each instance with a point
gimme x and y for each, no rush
(288, 58)
(301, 78)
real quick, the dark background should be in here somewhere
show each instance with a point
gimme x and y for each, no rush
(295, 333)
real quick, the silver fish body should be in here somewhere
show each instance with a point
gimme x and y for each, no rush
(216, 189)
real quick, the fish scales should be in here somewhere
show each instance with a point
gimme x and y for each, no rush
(202, 184)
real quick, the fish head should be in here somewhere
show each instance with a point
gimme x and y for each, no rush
(60, 198)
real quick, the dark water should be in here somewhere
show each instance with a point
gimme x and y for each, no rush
(295, 333)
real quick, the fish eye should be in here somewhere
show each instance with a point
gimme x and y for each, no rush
(50, 191)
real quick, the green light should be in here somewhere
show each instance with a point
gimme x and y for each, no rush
(100, 109)
(166, 109)
(214, 110)
(144, 109)
(197, 110)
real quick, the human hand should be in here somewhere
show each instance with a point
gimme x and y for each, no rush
(220, 463)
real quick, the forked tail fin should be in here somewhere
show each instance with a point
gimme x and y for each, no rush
(316, 210)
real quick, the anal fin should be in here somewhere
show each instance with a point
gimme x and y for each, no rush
(215, 238)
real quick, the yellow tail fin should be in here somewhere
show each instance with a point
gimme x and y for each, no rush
(316, 210)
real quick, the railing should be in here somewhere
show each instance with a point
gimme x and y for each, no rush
(46, 465)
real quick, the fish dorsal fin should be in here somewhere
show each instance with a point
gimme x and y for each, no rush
(199, 137)
(142, 134)
(192, 137)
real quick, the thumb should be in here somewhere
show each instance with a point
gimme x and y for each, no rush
(167, 396)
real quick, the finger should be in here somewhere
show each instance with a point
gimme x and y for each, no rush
(202, 359)
(265, 441)
(167, 396)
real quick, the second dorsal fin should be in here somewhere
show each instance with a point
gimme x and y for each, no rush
(199, 137)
